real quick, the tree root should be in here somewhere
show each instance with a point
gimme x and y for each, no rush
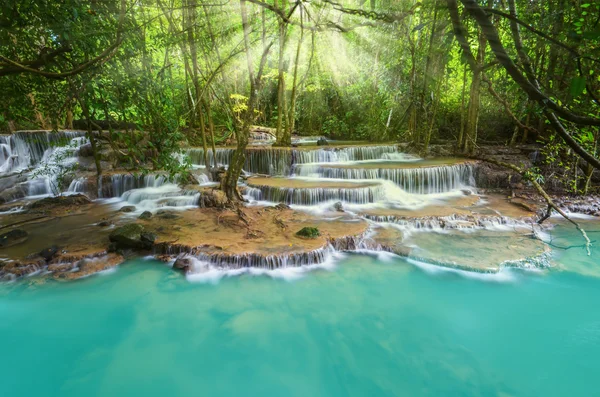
(545, 196)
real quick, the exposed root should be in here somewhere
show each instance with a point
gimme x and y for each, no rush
(546, 197)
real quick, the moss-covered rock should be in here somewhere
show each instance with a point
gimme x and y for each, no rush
(128, 236)
(308, 232)
(145, 215)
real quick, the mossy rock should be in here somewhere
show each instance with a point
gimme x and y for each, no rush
(128, 236)
(308, 232)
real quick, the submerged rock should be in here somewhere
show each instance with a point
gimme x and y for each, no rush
(309, 232)
(14, 237)
(127, 208)
(128, 236)
(145, 215)
(167, 215)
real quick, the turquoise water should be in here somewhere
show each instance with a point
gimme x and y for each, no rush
(369, 327)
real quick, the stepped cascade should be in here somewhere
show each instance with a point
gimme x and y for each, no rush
(374, 184)
(25, 149)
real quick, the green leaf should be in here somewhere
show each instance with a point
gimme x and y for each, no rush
(586, 5)
(577, 86)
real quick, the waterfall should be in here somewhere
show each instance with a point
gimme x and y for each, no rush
(27, 148)
(424, 180)
(78, 185)
(351, 153)
(280, 161)
(121, 183)
(312, 196)
(453, 222)
(56, 163)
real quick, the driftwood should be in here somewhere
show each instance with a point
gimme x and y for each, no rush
(545, 196)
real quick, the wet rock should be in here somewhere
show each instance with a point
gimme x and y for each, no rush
(308, 232)
(127, 208)
(184, 264)
(112, 247)
(282, 206)
(11, 194)
(49, 253)
(14, 237)
(128, 236)
(61, 201)
(145, 215)
(148, 239)
(104, 223)
(322, 142)
(338, 206)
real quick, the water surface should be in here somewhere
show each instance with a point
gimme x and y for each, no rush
(370, 326)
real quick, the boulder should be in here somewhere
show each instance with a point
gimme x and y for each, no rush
(127, 208)
(48, 253)
(14, 237)
(338, 206)
(104, 223)
(322, 142)
(145, 215)
(128, 236)
(183, 263)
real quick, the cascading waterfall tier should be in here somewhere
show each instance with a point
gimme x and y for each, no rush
(204, 260)
(121, 183)
(452, 222)
(418, 180)
(280, 161)
(301, 192)
(24, 149)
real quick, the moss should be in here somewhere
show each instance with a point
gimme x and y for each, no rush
(309, 232)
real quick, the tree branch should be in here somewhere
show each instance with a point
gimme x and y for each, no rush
(545, 196)
(108, 53)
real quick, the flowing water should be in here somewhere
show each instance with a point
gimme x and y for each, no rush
(366, 325)
(319, 323)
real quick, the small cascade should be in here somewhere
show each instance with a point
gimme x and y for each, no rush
(467, 222)
(24, 149)
(121, 183)
(424, 180)
(351, 153)
(166, 195)
(56, 163)
(280, 161)
(313, 196)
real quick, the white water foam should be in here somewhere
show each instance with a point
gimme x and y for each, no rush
(207, 273)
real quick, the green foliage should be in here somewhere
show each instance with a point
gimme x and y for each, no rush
(57, 168)
(308, 232)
